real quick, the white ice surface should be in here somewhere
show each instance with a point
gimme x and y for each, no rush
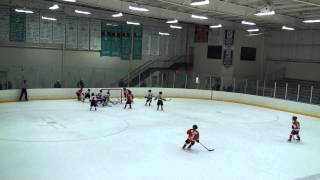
(63, 140)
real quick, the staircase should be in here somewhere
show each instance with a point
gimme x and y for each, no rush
(148, 68)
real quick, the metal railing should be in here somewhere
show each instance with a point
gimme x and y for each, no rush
(293, 90)
(159, 63)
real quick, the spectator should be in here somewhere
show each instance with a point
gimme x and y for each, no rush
(9, 85)
(57, 84)
(24, 87)
(80, 84)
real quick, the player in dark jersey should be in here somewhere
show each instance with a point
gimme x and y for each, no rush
(93, 102)
(160, 101)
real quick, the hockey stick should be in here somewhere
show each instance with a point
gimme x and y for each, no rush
(205, 147)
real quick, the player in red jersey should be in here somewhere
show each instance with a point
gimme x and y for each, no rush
(125, 93)
(193, 136)
(295, 129)
(129, 100)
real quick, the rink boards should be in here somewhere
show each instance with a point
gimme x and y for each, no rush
(266, 102)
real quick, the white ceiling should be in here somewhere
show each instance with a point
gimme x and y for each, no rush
(288, 12)
(228, 12)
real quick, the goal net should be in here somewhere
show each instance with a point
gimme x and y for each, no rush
(116, 94)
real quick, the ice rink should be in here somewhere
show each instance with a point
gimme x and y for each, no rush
(63, 140)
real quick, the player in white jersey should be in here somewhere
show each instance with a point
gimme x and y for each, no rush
(149, 97)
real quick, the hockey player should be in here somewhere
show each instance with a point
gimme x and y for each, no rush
(149, 97)
(93, 102)
(193, 136)
(79, 94)
(295, 129)
(160, 101)
(125, 93)
(86, 95)
(129, 100)
(99, 97)
(106, 99)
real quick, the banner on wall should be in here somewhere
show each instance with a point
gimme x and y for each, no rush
(126, 42)
(95, 35)
(59, 29)
(201, 33)
(83, 34)
(4, 23)
(17, 26)
(105, 40)
(32, 28)
(227, 57)
(71, 33)
(229, 37)
(137, 42)
(116, 40)
(45, 28)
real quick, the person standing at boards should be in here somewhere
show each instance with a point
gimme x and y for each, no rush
(24, 93)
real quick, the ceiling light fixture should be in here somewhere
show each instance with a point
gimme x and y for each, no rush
(48, 18)
(70, 0)
(253, 30)
(23, 11)
(54, 7)
(117, 15)
(82, 12)
(172, 21)
(312, 21)
(133, 23)
(216, 26)
(288, 28)
(199, 2)
(134, 8)
(175, 27)
(248, 23)
(198, 17)
(269, 13)
(164, 34)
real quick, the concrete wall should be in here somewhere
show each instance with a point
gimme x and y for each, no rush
(239, 69)
(42, 67)
(273, 103)
(296, 52)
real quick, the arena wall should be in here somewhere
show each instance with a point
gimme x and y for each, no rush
(264, 102)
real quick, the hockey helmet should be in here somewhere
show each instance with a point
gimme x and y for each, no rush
(194, 126)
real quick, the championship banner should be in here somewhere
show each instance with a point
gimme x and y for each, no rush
(32, 28)
(137, 42)
(45, 28)
(95, 35)
(71, 33)
(4, 23)
(83, 34)
(126, 42)
(17, 26)
(227, 57)
(59, 29)
(201, 33)
(116, 34)
(229, 37)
